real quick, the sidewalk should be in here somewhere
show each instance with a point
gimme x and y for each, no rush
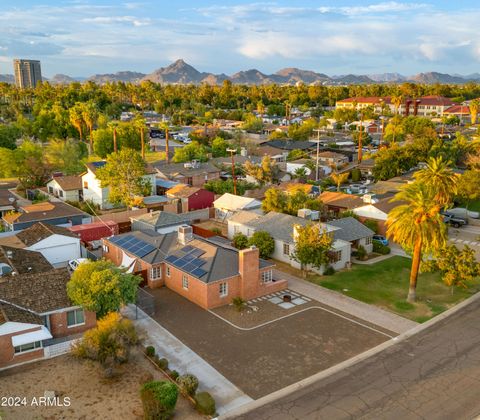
(369, 313)
(181, 358)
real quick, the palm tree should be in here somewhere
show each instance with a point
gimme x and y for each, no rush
(474, 107)
(113, 125)
(439, 177)
(139, 122)
(417, 225)
(339, 178)
(76, 118)
(397, 101)
(166, 127)
(90, 116)
(301, 173)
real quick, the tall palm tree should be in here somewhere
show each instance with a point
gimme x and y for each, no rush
(165, 126)
(439, 177)
(139, 122)
(339, 178)
(417, 225)
(474, 107)
(397, 101)
(76, 118)
(90, 116)
(113, 125)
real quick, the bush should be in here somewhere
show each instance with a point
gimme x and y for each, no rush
(371, 224)
(174, 375)
(329, 271)
(159, 399)
(356, 175)
(240, 241)
(150, 351)
(239, 303)
(205, 404)
(264, 242)
(216, 230)
(162, 363)
(361, 253)
(188, 383)
(380, 248)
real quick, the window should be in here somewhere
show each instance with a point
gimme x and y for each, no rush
(75, 317)
(286, 249)
(185, 282)
(168, 271)
(28, 347)
(267, 276)
(223, 289)
(156, 272)
(105, 248)
(236, 229)
(50, 190)
(368, 240)
(336, 256)
(61, 193)
(85, 185)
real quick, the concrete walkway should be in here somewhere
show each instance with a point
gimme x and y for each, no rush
(184, 360)
(369, 313)
(373, 260)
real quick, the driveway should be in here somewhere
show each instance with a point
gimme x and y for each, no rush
(273, 356)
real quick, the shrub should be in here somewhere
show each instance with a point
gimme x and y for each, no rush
(361, 252)
(216, 230)
(264, 242)
(356, 175)
(380, 248)
(371, 224)
(240, 241)
(159, 399)
(150, 351)
(188, 383)
(329, 271)
(174, 375)
(205, 404)
(239, 303)
(162, 363)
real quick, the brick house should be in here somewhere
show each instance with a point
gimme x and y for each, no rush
(206, 273)
(34, 307)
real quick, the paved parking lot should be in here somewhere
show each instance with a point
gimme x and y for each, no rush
(270, 357)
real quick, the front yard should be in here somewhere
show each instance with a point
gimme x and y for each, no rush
(385, 284)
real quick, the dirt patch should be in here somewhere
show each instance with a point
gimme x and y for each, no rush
(214, 226)
(258, 313)
(91, 395)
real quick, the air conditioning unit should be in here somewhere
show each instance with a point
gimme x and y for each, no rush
(304, 213)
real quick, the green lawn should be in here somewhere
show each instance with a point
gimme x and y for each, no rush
(385, 284)
(473, 205)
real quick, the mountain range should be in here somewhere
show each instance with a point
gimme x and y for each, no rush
(180, 72)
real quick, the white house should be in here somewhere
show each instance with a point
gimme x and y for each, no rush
(228, 204)
(57, 244)
(92, 190)
(66, 188)
(282, 229)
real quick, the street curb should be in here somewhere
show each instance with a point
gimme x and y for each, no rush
(281, 393)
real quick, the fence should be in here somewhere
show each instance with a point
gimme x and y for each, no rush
(58, 349)
(145, 301)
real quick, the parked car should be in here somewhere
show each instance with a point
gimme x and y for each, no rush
(73, 264)
(453, 220)
(381, 239)
(464, 213)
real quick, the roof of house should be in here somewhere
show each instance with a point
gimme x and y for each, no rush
(178, 170)
(458, 110)
(182, 191)
(165, 183)
(39, 231)
(290, 144)
(331, 155)
(43, 211)
(350, 229)
(386, 204)
(365, 100)
(23, 261)
(39, 294)
(160, 219)
(12, 313)
(235, 202)
(338, 199)
(68, 183)
(6, 198)
(243, 216)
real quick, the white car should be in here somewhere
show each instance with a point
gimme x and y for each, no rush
(73, 264)
(461, 212)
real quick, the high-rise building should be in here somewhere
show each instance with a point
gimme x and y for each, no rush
(27, 73)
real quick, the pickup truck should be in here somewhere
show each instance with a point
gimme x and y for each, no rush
(453, 220)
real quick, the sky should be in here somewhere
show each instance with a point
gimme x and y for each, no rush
(83, 37)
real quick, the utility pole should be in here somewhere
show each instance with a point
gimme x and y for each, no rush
(360, 140)
(318, 153)
(232, 154)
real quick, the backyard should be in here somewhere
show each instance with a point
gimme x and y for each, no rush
(385, 284)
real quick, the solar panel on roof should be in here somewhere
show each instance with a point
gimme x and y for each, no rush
(181, 263)
(189, 268)
(198, 262)
(197, 252)
(189, 257)
(187, 248)
(171, 258)
(199, 272)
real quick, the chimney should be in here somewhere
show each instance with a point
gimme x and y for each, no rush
(367, 198)
(185, 234)
(9, 254)
(248, 267)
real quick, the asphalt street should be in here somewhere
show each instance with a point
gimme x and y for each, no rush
(434, 374)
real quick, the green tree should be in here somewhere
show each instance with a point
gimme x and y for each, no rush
(265, 173)
(76, 118)
(103, 142)
(275, 200)
(264, 242)
(240, 241)
(66, 155)
(469, 186)
(140, 124)
(339, 178)
(9, 134)
(252, 124)
(312, 246)
(192, 151)
(474, 108)
(90, 116)
(417, 225)
(219, 147)
(124, 175)
(102, 287)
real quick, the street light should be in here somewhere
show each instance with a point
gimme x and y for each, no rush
(232, 154)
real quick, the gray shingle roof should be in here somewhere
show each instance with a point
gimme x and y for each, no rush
(350, 229)
(160, 219)
(278, 225)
